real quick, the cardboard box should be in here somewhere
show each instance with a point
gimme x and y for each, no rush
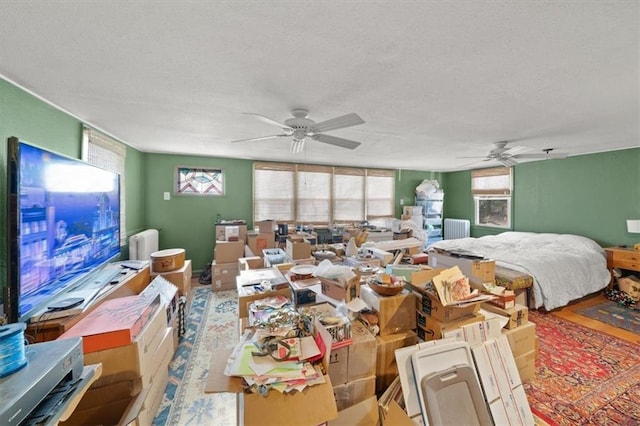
(355, 361)
(413, 274)
(367, 413)
(247, 294)
(115, 323)
(257, 242)
(228, 251)
(231, 232)
(429, 304)
(478, 271)
(123, 411)
(386, 366)
(432, 329)
(339, 291)
(476, 333)
(253, 262)
(225, 272)
(526, 364)
(265, 226)
(181, 278)
(222, 284)
(105, 394)
(297, 248)
(521, 339)
(630, 285)
(518, 315)
(351, 393)
(304, 291)
(395, 313)
(134, 360)
(314, 405)
(504, 301)
(168, 296)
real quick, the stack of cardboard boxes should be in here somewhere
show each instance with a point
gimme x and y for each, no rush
(233, 241)
(433, 318)
(352, 368)
(181, 278)
(521, 335)
(135, 352)
(396, 323)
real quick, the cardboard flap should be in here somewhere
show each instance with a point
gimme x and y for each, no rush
(217, 382)
(313, 406)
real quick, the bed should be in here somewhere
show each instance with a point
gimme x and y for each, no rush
(564, 267)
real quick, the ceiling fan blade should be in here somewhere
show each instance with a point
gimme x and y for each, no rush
(269, 120)
(507, 161)
(332, 140)
(551, 155)
(261, 138)
(348, 120)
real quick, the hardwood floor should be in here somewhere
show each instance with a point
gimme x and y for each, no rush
(569, 313)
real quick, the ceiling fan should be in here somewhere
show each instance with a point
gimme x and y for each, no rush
(299, 127)
(508, 156)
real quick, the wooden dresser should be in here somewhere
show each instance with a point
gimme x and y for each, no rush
(623, 258)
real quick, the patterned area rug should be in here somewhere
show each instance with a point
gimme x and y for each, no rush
(610, 312)
(212, 323)
(583, 376)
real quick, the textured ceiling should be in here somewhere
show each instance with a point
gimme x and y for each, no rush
(433, 80)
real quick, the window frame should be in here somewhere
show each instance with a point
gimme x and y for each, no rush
(298, 171)
(92, 138)
(490, 185)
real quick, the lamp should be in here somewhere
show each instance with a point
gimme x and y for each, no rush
(633, 227)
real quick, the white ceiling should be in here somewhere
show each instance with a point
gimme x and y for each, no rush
(433, 80)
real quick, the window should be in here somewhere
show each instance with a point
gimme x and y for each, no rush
(492, 191)
(312, 194)
(199, 181)
(104, 151)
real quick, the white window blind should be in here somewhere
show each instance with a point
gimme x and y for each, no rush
(494, 181)
(313, 199)
(313, 194)
(273, 192)
(380, 193)
(105, 152)
(348, 195)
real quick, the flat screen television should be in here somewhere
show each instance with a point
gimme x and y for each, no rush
(63, 226)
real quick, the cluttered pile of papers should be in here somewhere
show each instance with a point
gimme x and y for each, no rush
(282, 349)
(453, 288)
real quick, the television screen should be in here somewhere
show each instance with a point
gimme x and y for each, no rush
(64, 224)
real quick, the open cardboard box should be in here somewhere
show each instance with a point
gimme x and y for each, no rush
(313, 406)
(431, 303)
(367, 413)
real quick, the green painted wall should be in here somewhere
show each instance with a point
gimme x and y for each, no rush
(188, 221)
(591, 195)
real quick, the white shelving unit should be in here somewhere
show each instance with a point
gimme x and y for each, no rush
(432, 207)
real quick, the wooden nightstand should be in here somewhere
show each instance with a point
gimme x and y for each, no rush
(623, 258)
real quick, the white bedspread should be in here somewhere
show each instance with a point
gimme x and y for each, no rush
(564, 267)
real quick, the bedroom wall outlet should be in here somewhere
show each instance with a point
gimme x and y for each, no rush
(402, 201)
(167, 196)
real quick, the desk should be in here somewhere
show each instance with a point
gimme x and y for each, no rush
(623, 258)
(43, 331)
